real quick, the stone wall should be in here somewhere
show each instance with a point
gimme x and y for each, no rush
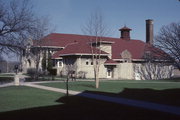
(107, 48)
(125, 71)
(85, 64)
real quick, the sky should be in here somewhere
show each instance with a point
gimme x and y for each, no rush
(69, 16)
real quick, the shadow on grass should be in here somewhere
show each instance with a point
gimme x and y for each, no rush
(167, 97)
(76, 107)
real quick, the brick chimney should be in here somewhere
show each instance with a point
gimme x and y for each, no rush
(125, 33)
(149, 31)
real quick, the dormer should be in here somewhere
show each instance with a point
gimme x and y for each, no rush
(105, 46)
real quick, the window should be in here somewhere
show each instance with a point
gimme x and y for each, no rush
(54, 62)
(87, 63)
(91, 63)
(125, 60)
(109, 72)
(60, 63)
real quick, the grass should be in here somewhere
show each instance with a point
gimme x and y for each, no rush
(158, 92)
(35, 104)
(6, 75)
(80, 108)
(15, 98)
(116, 86)
(46, 78)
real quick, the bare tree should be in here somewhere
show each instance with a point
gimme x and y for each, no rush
(70, 71)
(16, 22)
(153, 71)
(19, 28)
(1, 58)
(36, 52)
(154, 66)
(96, 29)
(168, 40)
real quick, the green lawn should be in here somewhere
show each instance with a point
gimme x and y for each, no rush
(6, 75)
(150, 91)
(14, 98)
(80, 108)
(35, 104)
(116, 86)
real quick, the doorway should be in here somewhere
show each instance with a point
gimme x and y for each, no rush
(109, 72)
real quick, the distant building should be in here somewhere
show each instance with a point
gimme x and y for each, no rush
(118, 55)
(7, 66)
(3, 66)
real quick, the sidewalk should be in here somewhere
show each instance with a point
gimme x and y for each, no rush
(7, 84)
(136, 103)
(51, 88)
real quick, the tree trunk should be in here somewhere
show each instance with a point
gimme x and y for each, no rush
(67, 86)
(96, 73)
(97, 82)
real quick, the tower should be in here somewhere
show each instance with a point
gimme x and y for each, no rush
(149, 31)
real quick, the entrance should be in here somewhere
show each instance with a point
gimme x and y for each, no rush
(109, 72)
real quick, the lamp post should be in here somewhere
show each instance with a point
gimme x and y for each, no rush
(16, 78)
(67, 85)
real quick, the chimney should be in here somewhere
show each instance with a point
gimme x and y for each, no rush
(149, 31)
(125, 33)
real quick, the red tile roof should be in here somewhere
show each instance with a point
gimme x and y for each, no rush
(78, 49)
(61, 40)
(56, 56)
(156, 53)
(135, 47)
(110, 62)
(78, 44)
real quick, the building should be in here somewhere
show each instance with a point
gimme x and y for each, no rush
(118, 56)
(7, 66)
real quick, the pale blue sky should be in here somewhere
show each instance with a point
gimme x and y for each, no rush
(69, 15)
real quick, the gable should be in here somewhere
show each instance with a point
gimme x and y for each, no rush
(126, 54)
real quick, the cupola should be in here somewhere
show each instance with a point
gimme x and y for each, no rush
(125, 33)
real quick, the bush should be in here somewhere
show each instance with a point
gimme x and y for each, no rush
(53, 72)
(6, 80)
(82, 74)
(31, 72)
(34, 75)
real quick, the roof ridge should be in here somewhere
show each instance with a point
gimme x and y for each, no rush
(69, 44)
(83, 35)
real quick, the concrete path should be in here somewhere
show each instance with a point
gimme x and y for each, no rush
(51, 88)
(118, 100)
(7, 84)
